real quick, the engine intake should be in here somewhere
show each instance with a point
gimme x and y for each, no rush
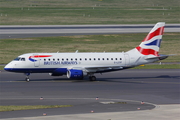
(75, 74)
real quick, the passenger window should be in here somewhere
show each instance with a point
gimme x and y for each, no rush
(44, 59)
(67, 59)
(116, 58)
(71, 59)
(94, 58)
(89, 58)
(111, 58)
(107, 58)
(120, 59)
(103, 59)
(53, 59)
(80, 59)
(49, 59)
(75, 58)
(85, 58)
(62, 59)
(98, 58)
(57, 59)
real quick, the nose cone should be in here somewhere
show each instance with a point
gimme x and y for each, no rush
(8, 67)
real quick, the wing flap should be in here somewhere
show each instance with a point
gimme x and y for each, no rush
(98, 68)
(103, 68)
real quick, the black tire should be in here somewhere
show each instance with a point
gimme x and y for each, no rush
(92, 78)
(27, 79)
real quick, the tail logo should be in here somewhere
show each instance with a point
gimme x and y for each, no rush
(156, 43)
(150, 45)
(37, 56)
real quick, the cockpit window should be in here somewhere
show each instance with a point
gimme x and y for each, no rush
(17, 59)
(22, 59)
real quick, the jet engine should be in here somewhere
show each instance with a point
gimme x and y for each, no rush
(75, 74)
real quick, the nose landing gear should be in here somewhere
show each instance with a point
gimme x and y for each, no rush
(27, 77)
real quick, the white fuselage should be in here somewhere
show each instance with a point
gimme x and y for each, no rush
(89, 62)
(67, 60)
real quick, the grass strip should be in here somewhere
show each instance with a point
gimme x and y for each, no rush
(30, 107)
(1, 67)
(11, 48)
(65, 12)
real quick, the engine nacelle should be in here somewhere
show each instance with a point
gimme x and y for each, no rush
(75, 74)
(55, 74)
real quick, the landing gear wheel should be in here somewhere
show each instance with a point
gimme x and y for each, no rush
(27, 79)
(92, 78)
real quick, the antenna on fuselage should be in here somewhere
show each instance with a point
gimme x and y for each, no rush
(76, 51)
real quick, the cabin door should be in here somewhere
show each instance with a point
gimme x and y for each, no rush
(36, 60)
(127, 60)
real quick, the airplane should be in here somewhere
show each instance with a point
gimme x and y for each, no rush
(79, 65)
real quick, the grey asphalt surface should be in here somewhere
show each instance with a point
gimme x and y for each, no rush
(154, 87)
(25, 31)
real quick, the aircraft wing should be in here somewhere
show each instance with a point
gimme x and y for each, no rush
(98, 68)
(103, 69)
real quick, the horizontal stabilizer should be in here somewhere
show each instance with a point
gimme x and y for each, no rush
(160, 57)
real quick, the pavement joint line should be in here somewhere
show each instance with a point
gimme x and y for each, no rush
(101, 99)
(112, 115)
(84, 99)
(97, 81)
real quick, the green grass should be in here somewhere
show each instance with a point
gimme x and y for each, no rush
(11, 48)
(59, 12)
(1, 67)
(30, 107)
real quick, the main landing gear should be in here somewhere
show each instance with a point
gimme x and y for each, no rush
(27, 77)
(92, 78)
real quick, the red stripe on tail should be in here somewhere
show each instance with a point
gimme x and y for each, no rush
(159, 31)
(147, 51)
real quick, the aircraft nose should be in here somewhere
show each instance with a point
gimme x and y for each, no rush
(8, 67)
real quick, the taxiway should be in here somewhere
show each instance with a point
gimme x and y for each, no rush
(25, 31)
(154, 87)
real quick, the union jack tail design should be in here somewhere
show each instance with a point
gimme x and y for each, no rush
(151, 43)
